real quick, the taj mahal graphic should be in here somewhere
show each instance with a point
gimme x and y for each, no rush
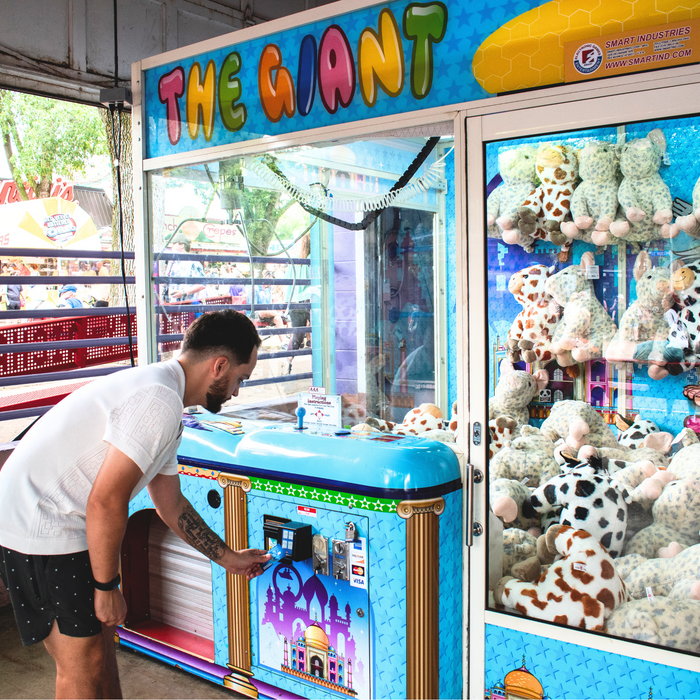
(310, 622)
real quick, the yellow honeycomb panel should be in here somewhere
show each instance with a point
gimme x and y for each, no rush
(528, 51)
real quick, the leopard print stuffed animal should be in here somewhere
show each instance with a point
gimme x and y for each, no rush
(517, 168)
(585, 329)
(581, 589)
(531, 332)
(541, 214)
(594, 205)
(644, 321)
(514, 391)
(644, 197)
(578, 424)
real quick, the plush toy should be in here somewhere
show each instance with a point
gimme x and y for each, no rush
(659, 574)
(685, 464)
(517, 169)
(676, 519)
(531, 332)
(632, 432)
(594, 205)
(529, 459)
(541, 213)
(577, 424)
(690, 224)
(510, 501)
(587, 498)
(645, 320)
(581, 589)
(585, 328)
(671, 621)
(518, 546)
(501, 431)
(685, 331)
(514, 392)
(643, 195)
(420, 420)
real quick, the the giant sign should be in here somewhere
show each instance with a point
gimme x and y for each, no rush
(383, 60)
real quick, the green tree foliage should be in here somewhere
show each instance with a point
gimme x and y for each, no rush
(45, 138)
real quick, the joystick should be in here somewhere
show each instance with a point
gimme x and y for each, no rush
(301, 412)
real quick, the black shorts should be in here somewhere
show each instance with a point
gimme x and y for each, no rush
(48, 587)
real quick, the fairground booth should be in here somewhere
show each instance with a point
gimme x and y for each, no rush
(467, 233)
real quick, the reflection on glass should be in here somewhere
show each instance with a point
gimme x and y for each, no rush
(338, 275)
(593, 332)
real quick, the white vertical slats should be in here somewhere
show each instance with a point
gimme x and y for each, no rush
(180, 583)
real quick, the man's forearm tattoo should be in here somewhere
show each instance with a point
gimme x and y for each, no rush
(199, 534)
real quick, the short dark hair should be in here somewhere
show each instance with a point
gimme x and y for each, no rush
(228, 332)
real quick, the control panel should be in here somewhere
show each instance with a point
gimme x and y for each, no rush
(291, 541)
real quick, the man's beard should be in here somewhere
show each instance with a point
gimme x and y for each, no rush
(217, 394)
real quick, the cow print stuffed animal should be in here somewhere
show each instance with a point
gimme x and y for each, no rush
(588, 499)
(531, 332)
(580, 590)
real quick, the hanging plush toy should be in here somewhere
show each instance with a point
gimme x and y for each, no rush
(594, 205)
(517, 169)
(542, 212)
(514, 392)
(685, 331)
(643, 195)
(644, 321)
(531, 332)
(585, 329)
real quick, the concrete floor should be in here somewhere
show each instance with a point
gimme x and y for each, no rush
(29, 672)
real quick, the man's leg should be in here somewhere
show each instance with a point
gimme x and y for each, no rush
(86, 667)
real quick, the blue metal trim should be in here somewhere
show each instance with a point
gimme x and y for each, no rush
(243, 281)
(69, 279)
(60, 376)
(358, 489)
(66, 344)
(85, 311)
(24, 412)
(278, 380)
(198, 308)
(61, 253)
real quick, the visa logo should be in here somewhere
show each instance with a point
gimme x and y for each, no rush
(359, 581)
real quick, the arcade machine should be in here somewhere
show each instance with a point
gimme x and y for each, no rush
(363, 597)
(461, 228)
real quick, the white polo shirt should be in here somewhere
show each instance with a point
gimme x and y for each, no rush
(45, 483)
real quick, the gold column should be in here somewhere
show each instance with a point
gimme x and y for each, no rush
(237, 587)
(422, 596)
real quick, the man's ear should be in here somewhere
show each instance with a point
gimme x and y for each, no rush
(220, 365)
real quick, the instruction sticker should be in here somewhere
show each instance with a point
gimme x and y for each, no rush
(322, 411)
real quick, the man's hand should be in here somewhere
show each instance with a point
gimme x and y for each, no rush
(246, 562)
(110, 607)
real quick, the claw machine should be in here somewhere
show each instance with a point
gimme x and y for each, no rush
(584, 571)
(468, 231)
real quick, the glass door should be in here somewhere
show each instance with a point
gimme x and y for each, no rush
(584, 241)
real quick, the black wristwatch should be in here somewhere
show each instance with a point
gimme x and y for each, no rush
(114, 583)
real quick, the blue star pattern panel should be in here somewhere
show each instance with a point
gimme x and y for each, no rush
(571, 671)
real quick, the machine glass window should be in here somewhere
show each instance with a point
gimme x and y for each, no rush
(593, 270)
(336, 251)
